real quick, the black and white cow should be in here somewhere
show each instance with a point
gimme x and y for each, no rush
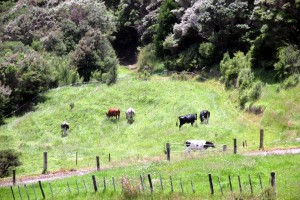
(130, 113)
(204, 116)
(197, 145)
(64, 127)
(190, 118)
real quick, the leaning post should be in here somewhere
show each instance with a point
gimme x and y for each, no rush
(261, 141)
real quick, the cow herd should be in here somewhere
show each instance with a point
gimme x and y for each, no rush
(191, 118)
(115, 112)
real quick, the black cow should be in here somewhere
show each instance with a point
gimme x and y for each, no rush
(190, 118)
(204, 116)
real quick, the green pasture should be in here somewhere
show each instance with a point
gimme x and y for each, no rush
(183, 172)
(158, 103)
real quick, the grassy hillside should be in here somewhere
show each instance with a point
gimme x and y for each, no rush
(158, 103)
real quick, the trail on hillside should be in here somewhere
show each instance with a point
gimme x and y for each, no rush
(65, 174)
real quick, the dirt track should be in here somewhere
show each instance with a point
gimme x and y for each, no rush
(60, 175)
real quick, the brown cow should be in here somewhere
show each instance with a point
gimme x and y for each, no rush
(113, 112)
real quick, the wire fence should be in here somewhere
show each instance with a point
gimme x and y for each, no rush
(201, 184)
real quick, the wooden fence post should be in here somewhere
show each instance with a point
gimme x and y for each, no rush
(69, 187)
(239, 179)
(211, 184)
(150, 183)
(250, 183)
(168, 151)
(98, 163)
(261, 144)
(51, 189)
(181, 185)
(20, 193)
(224, 148)
(77, 186)
(234, 146)
(230, 185)
(261, 187)
(220, 185)
(161, 184)
(12, 192)
(95, 183)
(34, 191)
(113, 180)
(109, 157)
(14, 177)
(273, 181)
(41, 187)
(26, 192)
(84, 186)
(171, 182)
(76, 157)
(45, 163)
(192, 184)
(104, 184)
(142, 182)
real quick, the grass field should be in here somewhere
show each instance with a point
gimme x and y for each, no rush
(158, 103)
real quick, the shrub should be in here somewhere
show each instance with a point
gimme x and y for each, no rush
(147, 60)
(129, 189)
(291, 81)
(289, 61)
(9, 159)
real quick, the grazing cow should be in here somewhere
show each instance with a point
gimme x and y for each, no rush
(190, 118)
(197, 145)
(204, 116)
(130, 113)
(64, 127)
(113, 112)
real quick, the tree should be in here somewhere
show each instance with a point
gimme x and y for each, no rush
(95, 53)
(166, 20)
(9, 159)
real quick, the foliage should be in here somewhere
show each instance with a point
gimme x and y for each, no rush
(129, 190)
(9, 159)
(95, 53)
(147, 60)
(288, 62)
(291, 81)
(166, 20)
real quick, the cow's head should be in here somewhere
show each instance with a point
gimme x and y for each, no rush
(209, 144)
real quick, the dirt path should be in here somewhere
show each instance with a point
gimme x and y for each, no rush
(65, 174)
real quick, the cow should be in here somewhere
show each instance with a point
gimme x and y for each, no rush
(190, 118)
(64, 127)
(197, 145)
(113, 112)
(130, 113)
(204, 116)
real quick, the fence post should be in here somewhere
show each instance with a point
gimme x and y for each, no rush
(20, 193)
(239, 179)
(224, 148)
(261, 187)
(41, 187)
(51, 189)
(273, 181)
(45, 163)
(171, 182)
(230, 184)
(150, 183)
(95, 183)
(26, 192)
(211, 184)
(161, 184)
(261, 144)
(98, 163)
(34, 191)
(109, 157)
(69, 187)
(234, 146)
(113, 180)
(104, 184)
(84, 186)
(76, 157)
(192, 184)
(168, 151)
(14, 177)
(77, 186)
(12, 192)
(220, 185)
(250, 182)
(181, 185)
(142, 182)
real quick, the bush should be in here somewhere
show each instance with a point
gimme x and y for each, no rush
(147, 60)
(291, 81)
(129, 190)
(9, 159)
(289, 62)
